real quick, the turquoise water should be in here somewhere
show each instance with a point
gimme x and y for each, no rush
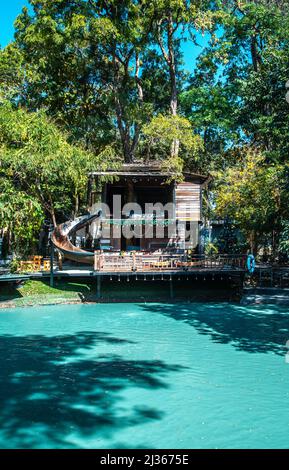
(144, 376)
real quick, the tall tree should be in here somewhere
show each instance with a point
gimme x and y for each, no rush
(238, 88)
(171, 19)
(98, 88)
(107, 50)
(37, 159)
(254, 195)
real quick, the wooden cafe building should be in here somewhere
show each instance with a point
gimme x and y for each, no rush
(147, 185)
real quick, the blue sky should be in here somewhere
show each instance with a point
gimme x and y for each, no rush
(9, 9)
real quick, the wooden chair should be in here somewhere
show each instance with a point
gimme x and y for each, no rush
(26, 266)
(37, 265)
(46, 265)
(161, 264)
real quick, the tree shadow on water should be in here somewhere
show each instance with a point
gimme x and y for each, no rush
(254, 329)
(55, 386)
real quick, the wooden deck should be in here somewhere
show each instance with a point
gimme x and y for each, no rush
(137, 265)
(134, 266)
(159, 262)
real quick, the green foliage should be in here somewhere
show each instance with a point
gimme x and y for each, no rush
(40, 292)
(99, 46)
(162, 131)
(38, 156)
(237, 94)
(211, 249)
(236, 100)
(230, 239)
(284, 238)
(113, 76)
(21, 215)
(14, 265)
(253, 194)
(42, 174)
(11, 72)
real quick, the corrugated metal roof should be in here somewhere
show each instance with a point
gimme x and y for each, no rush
(142, 170)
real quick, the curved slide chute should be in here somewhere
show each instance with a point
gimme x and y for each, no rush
(61, 241)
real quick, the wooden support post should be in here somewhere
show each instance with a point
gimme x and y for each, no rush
(51, 265)
(59, 255)
(271, 277)
(98, 287)
(171, 288)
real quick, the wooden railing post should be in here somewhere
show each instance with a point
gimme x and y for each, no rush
(134, 261)
(96, 263)
(101, 261)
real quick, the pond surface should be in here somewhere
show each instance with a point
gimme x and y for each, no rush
(144, 376)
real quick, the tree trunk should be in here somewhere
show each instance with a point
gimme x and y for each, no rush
(169, 57)
(140, 99)
(256, 45)
(51, 210)
(123, 131)
(137, 79)
(254, 53)
(76, 205)
(128, 145)
(253, 242)
(174, 100)
(53, 218)
(274, 244)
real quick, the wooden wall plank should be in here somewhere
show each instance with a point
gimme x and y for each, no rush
(188, 201)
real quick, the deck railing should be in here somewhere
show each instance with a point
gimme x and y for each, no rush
(144, 261)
